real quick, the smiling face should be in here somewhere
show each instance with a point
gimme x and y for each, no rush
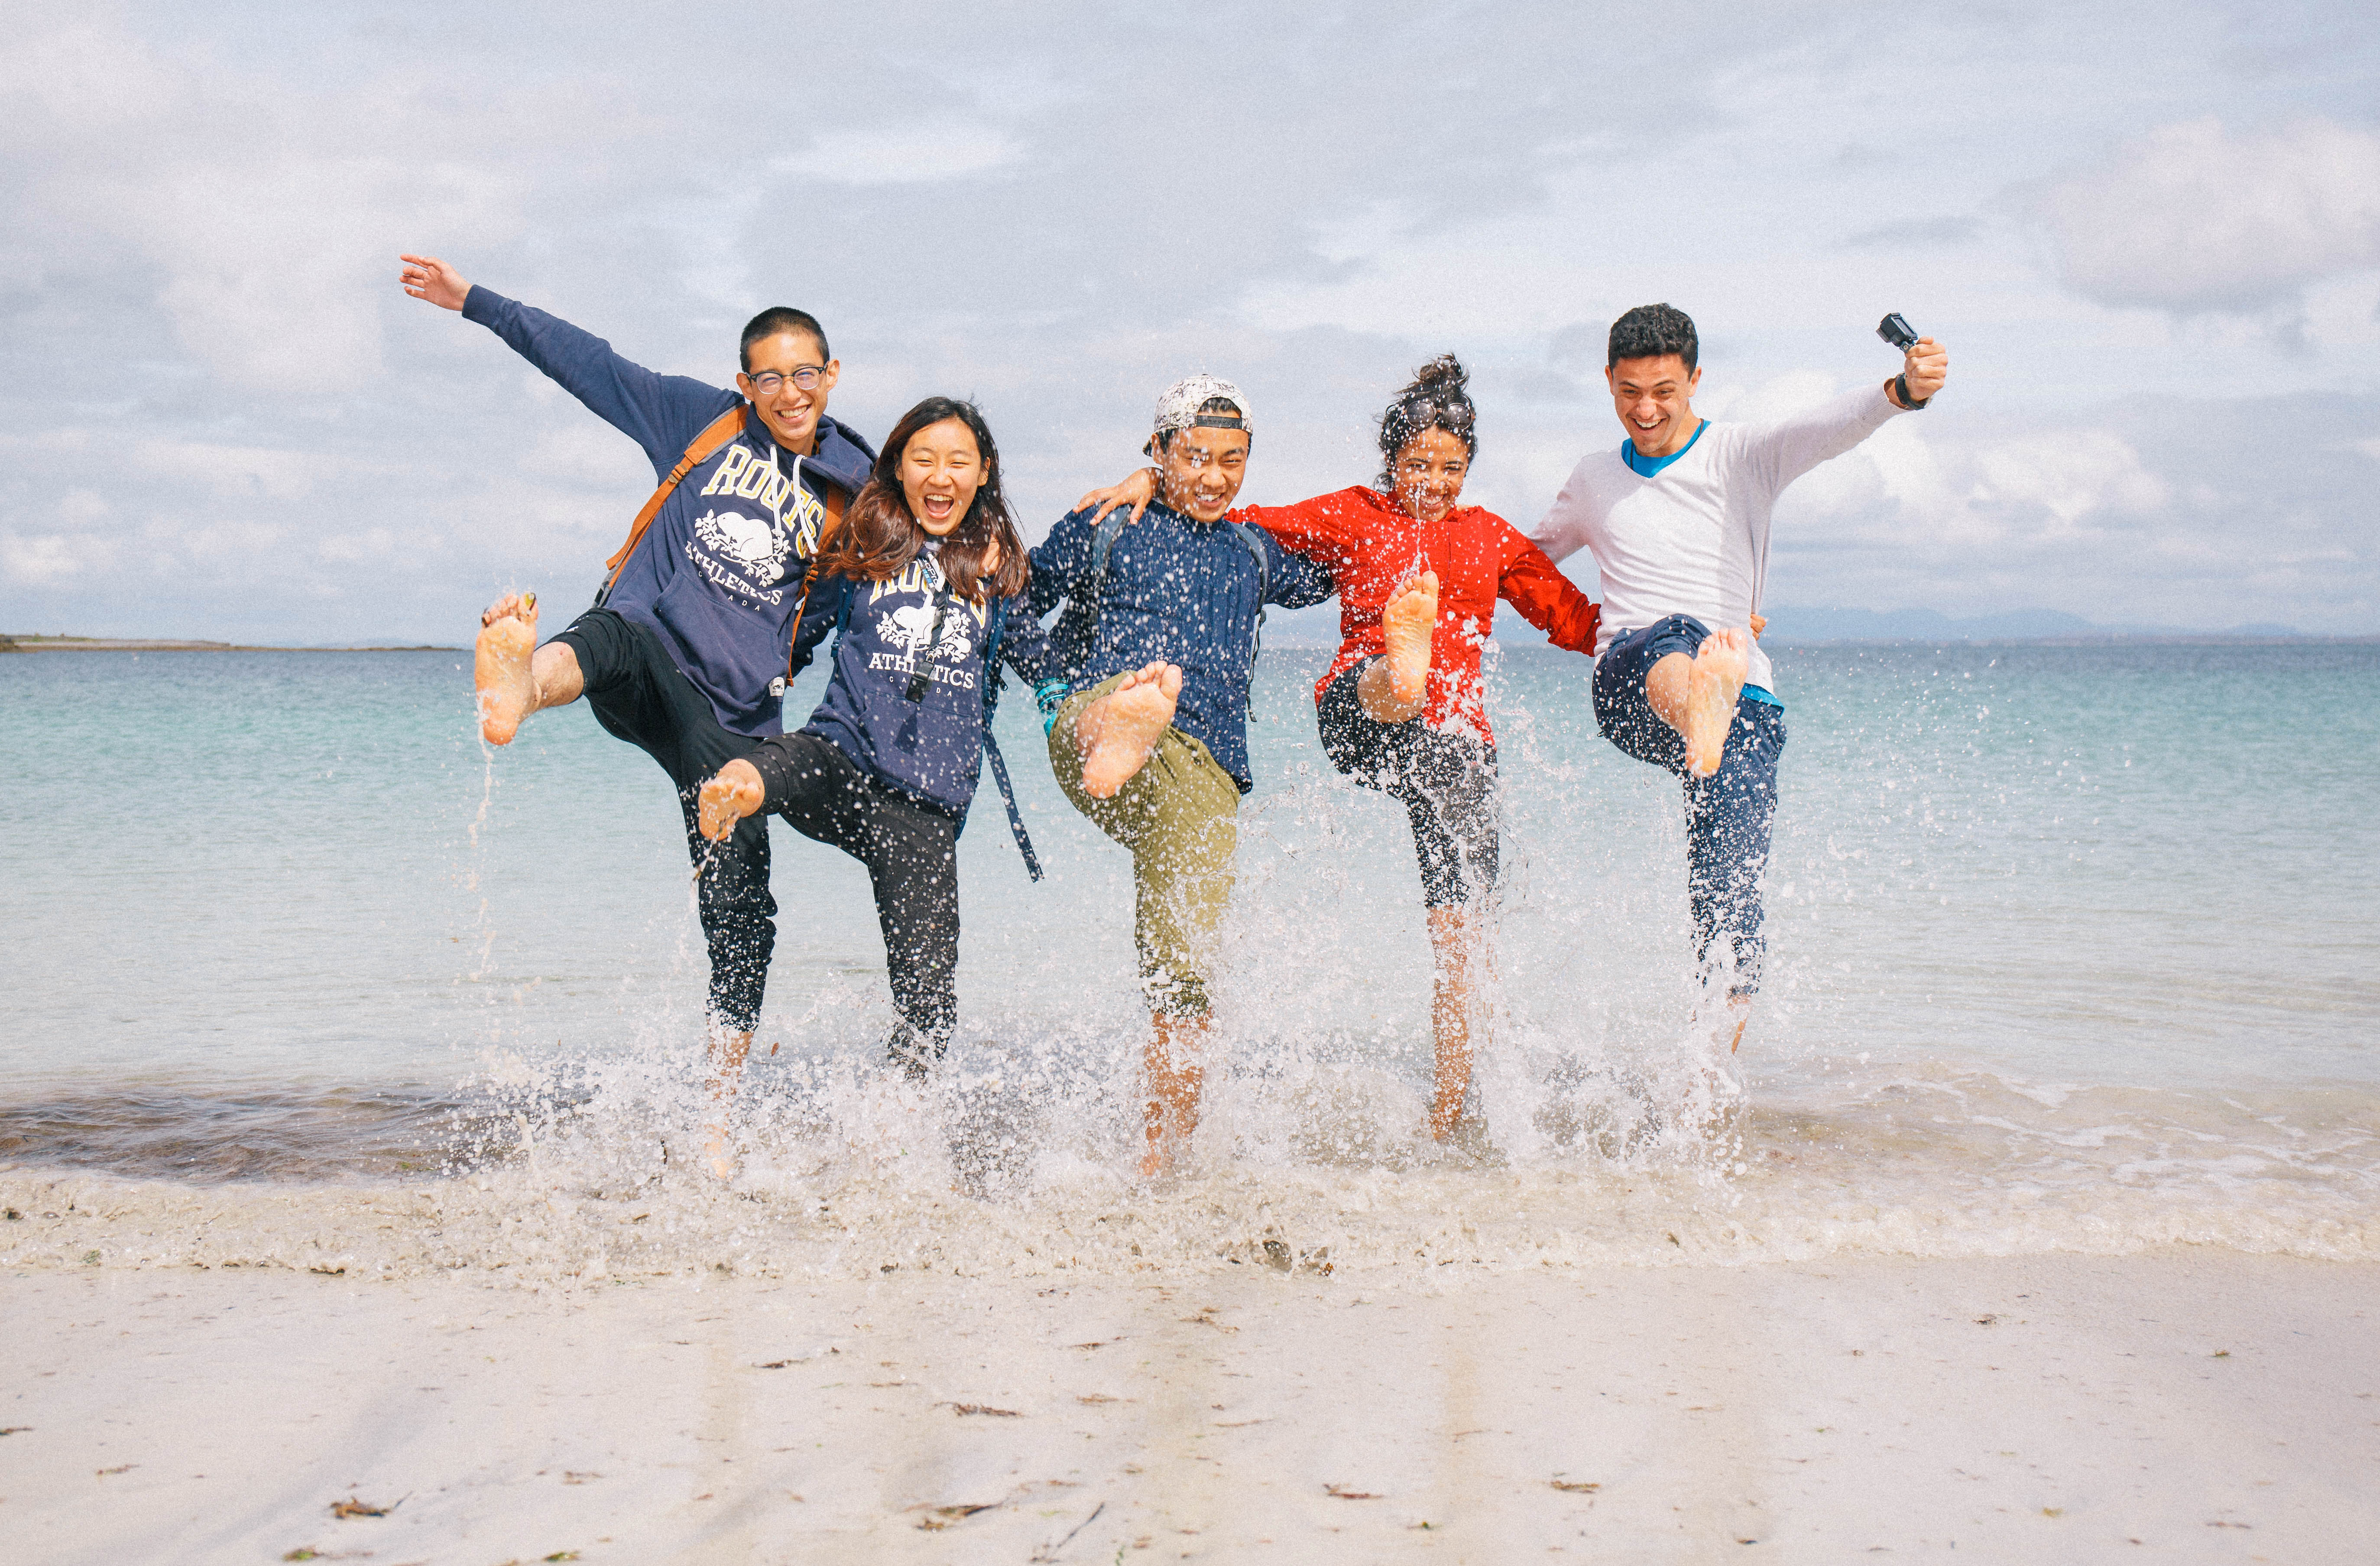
(790, 413)
(1429, 472)
(940, 470)
(1653, 397)
(1201, 470)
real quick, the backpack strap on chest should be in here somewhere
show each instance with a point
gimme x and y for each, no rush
(715, 434)
(992, 680)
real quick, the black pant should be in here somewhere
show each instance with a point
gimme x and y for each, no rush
(639, 694)
(911, 850)
(1446, 781)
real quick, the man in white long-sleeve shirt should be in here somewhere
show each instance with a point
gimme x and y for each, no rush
(1677, 518)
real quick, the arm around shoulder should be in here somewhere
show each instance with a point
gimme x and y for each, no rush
(1294, 580)
(1533, 584)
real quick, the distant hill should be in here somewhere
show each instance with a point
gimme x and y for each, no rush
(1800, 624)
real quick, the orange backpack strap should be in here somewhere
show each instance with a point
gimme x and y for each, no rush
(835, 502)
(715, 434)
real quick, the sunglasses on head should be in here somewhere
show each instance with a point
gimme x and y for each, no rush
(1428, 414)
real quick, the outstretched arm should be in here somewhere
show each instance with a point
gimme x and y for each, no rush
(1782, 452)
(661, 413)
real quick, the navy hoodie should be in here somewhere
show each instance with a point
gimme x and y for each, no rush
(930, 748)
(718, 576)
(1184, 591)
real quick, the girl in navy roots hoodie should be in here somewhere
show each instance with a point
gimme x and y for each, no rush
(925, 586)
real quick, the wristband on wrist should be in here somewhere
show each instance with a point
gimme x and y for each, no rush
(1901, 387)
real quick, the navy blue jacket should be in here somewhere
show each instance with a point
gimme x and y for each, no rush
(719, 575)
(930, 748)
(1183, 591)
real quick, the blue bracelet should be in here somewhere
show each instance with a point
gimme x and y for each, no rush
(1047, 695)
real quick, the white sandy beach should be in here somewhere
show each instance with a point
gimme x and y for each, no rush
(2193, 1404)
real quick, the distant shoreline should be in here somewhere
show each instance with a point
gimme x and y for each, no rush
(137, 644)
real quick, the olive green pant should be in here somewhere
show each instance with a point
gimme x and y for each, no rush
(1180, 817)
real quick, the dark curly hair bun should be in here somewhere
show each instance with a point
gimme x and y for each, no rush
(1443, 374)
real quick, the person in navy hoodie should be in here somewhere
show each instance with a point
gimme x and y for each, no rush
(925, 583)
(689, 646)
(1159, 760)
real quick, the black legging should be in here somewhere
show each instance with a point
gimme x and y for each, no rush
(641, 696)
(1446, 781)
(911, 852)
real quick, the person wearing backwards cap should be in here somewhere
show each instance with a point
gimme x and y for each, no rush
(1149, 735)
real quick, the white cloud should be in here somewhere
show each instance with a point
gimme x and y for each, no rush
(234, 472)
(2191, 218)
(44, 560)
(904, 155)
(267, 238)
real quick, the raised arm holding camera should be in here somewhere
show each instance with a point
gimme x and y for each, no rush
(1677, 520)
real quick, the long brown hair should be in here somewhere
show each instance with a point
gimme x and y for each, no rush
(879, 537)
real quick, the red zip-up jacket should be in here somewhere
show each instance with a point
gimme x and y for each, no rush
(1370, 544)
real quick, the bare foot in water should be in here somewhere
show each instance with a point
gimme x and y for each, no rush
(1715, 681)
(1117, 732)
(733, 793)
(500, 666)
(1405, 627)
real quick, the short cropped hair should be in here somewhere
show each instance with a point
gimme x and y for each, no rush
(1651, 330)
(776, 319)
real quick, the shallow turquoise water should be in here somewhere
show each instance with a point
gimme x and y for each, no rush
(2073, 948)
(2140, 863)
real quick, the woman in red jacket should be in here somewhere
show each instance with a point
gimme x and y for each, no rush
(1401, 710)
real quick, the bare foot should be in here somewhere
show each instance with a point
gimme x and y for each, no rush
(1717, 681)
(719, 1151)
(500, 666)
(731, 794)
(1117, 732)
(1405, 625)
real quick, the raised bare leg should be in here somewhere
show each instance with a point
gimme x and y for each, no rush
(1452, 942)
(1393, 688)
(515, 676)
(1117, 732)
(1177, 1074)
(1697, 696)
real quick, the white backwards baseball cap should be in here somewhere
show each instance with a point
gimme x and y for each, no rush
(1178, 407)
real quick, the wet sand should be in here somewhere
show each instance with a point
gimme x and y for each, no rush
(2187, 1405)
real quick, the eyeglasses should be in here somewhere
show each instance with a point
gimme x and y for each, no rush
(767, 382)
(1452, 416)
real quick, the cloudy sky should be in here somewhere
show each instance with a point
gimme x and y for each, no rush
(2149, 234)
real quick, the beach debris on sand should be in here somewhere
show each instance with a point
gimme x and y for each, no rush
(966, 1408)
(1575, 1487)
(352, 1507)
(939, 1517)
(1049, 1551)
(1343, 1493)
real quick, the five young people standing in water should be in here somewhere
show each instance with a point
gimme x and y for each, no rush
(1144, 681)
